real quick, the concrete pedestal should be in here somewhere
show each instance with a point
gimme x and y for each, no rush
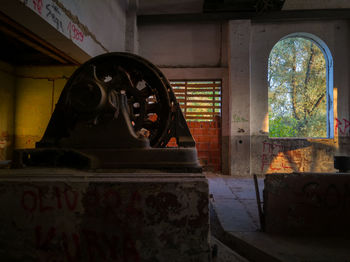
(68, 215)
(307, 204)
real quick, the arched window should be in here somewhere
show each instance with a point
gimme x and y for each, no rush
(300, 79)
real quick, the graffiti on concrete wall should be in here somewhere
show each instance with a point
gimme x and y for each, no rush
(66, 21)
(281, 158)
(54, 15)
(342, 127)
(95, 221)
(100, 242)
(238, 119)
(271, 153)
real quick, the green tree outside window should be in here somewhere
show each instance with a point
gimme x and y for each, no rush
(297, 79)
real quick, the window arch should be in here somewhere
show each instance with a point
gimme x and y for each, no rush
(300, 79)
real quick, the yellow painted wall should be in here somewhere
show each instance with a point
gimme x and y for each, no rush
(7, 91)
(37, 92)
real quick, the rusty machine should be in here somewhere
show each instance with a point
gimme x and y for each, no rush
(117, 111)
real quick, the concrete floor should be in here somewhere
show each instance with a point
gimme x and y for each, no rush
(234, 202)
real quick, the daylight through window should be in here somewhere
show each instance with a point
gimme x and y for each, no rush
(199, 100)
(299, 83)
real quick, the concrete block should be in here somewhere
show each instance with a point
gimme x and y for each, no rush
(307, 203)
(65, 215)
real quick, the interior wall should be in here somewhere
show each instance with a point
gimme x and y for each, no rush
(192, 44)
(37, 92)
(192, 51)
(243, 51)
(81, 29)
(269, 155)
(7, 93)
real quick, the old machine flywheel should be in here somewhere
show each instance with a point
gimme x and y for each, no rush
(116, 111)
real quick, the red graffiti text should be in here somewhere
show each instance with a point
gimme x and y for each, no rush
(74, 32)
(343, 126)
(38, 5)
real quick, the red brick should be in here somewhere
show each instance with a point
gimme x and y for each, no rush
(205, 124)
(200, 139)
(214, 154)
(198, 131)
(190, 124)
(203, 146)
(202, 154)
(209, 138)
(212, 131)
(214, 139)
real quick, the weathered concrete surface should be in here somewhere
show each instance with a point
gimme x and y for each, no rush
(74, 27)
(201, 44)
(65, 215)
(292, 155)
(307, 204)
(239, 75)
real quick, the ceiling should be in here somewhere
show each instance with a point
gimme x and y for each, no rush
(154, 7)
(159, 7)
(17, 53)
(242, 5)
(19, 46)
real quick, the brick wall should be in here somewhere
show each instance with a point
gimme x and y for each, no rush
(207, 136)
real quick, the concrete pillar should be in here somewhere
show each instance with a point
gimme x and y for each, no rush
(239, 82)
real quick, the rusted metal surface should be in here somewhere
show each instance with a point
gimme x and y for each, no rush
(63, 215)
(307, 203)
(115, 106)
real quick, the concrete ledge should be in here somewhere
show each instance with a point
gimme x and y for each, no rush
(69, 215)
(233, 240)
(307, 203)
